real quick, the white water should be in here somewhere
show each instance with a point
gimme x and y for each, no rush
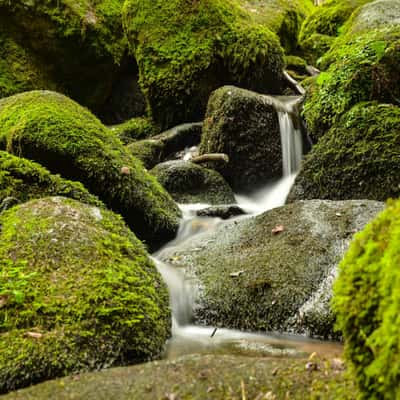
(189, 338)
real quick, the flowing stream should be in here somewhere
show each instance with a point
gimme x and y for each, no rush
(188, 338)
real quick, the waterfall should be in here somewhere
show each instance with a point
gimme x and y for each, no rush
(291, 139)
(274, 194)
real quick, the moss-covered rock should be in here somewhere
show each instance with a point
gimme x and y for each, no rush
(357, 159)
(252, 278)
(77, 291)
(373, 15)
(187, 49)
(25, 180)
(284, 17)
(79, 44)
(190, 183)
(323, 25)
(134, 129)
(364, 68)
(367, 303)
(244, 125)
(166, 145)
(220, 379)
(67, 139)
(296, 67)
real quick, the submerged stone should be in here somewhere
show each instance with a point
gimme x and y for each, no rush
(273, 271)
(78, 293)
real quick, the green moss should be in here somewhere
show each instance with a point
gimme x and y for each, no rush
(78, 278)
(181, 61)
(190, 183)
(148, 151)
(78, 43)
(357, 159)
(324, 24)
(365, 68)
(284, 17)
(134, 129)
(25, 180)
(67, 139)
(367, 303)
(244, 125)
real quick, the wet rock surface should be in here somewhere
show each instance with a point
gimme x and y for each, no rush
(273, 271)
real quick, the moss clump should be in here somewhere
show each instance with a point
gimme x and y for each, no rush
(365, 68)
(78, 293)
(357, 159)
(186, 49)
(134, 129)
(78, 43)
(244, 125)
(190, 183)
(284, 17)
(67, 139)
(26, 180)
(148, 151)
(367, 303)
(324, 24)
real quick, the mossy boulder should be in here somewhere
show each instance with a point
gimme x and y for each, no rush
(244, 125)
(220, 379)
(67, 139)
(373, 15)
(80, 45)
(78, 293)
(134, 129)
(166, 145)
(357, 159)
(364, 68)
(190, 183)
(273, 271)
(25, 180)
(284, 17)
(185, 50)
(323, 25)
(366, 300)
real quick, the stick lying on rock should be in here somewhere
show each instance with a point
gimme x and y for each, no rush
(294, 84)
(210, 157)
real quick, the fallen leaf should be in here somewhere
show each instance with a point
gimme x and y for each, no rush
(34, 335)
(337, 364)
(236, 274)
(278, 229)
(3, 301)
(210, 389)
(171, 396)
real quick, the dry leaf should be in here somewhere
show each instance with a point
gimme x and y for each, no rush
(125, 171)
(3, 301)
(236, 274)
(278, 229)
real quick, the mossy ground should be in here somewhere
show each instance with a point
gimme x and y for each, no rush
(180, 62)
(357, 159)
(204, 378)
(67, 139)
(367, 302)
(75, 276)
(25, 180)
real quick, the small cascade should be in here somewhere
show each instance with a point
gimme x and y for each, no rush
(291, 139)
(274, 194)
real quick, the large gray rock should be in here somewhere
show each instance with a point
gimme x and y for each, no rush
(190, 183)
(252, 278)
(244, 125)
